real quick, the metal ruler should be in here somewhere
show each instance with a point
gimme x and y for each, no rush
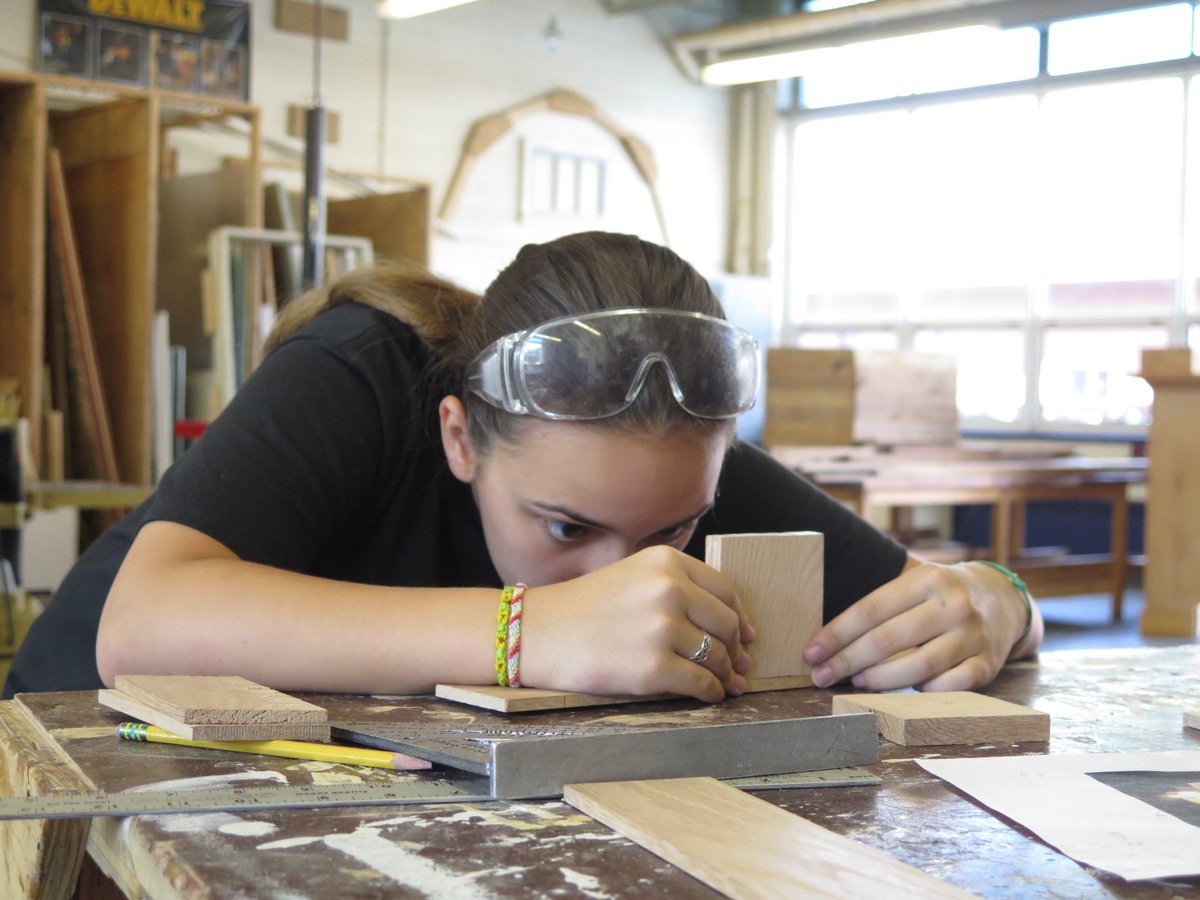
(464, 789)
(848, 777)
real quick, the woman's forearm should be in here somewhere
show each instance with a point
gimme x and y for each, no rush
(182, 603)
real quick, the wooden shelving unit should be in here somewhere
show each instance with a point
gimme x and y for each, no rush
(113, 144)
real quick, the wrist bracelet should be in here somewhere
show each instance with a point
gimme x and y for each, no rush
(1022, 589)
(514, 635)
(502, 615)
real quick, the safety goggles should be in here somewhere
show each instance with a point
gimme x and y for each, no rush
(595, 365)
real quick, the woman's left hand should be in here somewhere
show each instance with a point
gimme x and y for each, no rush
(934, 627)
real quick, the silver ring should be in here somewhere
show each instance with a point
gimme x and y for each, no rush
(705, 648)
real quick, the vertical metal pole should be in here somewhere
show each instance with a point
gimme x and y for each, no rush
(314, 174)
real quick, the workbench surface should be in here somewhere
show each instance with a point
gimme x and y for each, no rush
(1099, 701)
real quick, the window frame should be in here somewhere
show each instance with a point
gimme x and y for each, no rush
(1181, 322)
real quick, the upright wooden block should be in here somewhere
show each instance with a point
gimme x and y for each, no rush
(1191, 719)
(947, 717)
(780, 579)
(746, 847)
(216, 707)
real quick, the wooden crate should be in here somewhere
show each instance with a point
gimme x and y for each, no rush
(841, 397)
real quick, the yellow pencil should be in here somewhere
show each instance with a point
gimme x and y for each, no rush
(336, 753)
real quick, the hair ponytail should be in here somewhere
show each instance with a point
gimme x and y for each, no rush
(436, 309)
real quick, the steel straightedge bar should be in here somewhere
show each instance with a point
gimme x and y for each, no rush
(525, 769)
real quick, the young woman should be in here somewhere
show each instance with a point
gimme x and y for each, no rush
(406, 449)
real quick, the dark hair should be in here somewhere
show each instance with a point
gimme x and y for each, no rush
(576, 274)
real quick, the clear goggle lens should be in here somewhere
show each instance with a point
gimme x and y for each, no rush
(595, 365)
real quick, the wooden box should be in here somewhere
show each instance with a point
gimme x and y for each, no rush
(859, 397)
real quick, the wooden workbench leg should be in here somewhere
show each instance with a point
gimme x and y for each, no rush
(1119, 550)
(1001, 532)
(38, 858)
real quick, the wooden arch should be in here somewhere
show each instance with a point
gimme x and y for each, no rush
(486, 131)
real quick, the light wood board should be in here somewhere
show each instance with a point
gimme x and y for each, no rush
(746, 847)
(510, 699)
(781, 585)
(947, 717)
(216, 707)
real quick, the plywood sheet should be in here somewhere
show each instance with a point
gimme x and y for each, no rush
(948, 717)
(397, 224)
(746, 847)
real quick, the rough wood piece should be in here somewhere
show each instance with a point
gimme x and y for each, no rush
(216, 707)
(780, 582)
(746, 847)
(38, 857)
(222, 699)
(1191, 719)
(949, 717)
(270, 731)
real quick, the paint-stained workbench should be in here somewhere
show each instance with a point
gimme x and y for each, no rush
(1117, 700)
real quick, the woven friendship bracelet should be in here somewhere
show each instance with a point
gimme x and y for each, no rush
(1022, 589)
(502, 615)
(514, 635)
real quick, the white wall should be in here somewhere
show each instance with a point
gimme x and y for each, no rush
(441, 72)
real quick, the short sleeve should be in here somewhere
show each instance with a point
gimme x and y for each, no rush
(757, 494)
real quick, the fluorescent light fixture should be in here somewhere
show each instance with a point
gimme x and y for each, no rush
(901, 53)
(407, 9)
(767, 67)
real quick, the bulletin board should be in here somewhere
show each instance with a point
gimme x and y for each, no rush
(188, 46)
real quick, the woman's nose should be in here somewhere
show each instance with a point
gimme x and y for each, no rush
(608, 551)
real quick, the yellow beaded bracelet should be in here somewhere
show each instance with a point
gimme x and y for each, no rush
(1022, 589)
(502, 636)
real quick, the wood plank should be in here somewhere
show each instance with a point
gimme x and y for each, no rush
(780, 582)
(746, 847)
(93, 449)
(222, 699)
(109, 156)
(144, 712)
(22, 162)
(38, 857)
(947, 717)
(511, 700)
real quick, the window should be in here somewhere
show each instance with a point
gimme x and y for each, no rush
(563, 184)
(1043, 229)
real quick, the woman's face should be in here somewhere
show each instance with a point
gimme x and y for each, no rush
(569, 498)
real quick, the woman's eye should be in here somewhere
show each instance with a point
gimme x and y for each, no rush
(673, 534)
(565, 531)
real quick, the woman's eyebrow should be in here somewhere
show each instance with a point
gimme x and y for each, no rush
(569, 513)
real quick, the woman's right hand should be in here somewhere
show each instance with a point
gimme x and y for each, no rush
(629, 628)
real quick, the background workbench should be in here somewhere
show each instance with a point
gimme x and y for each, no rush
(949, 477)
(1099, 701)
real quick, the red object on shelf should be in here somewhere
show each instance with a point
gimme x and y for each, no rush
(189, 429)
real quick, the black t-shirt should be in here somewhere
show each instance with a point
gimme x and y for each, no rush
(328, 462)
